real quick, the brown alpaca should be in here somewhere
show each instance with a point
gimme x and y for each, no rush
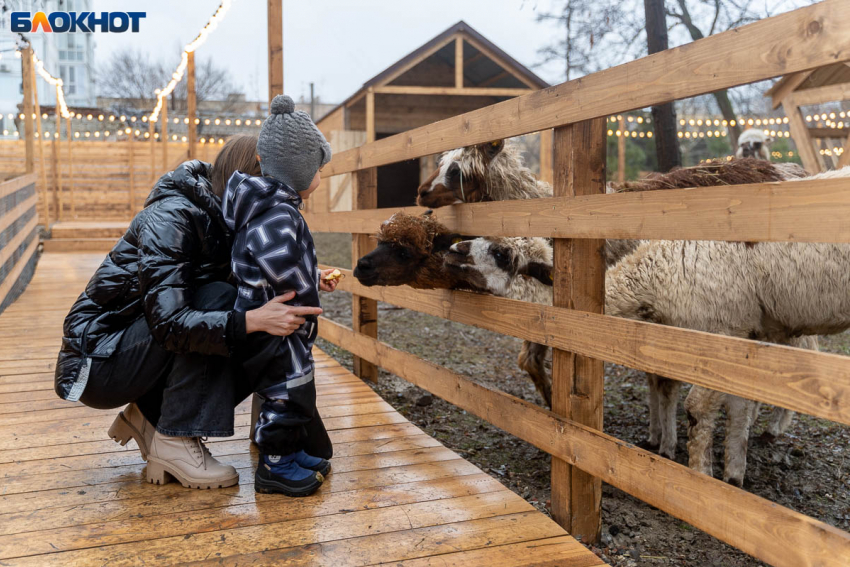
(410, 252)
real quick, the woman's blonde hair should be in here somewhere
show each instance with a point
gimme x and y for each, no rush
(239, 153)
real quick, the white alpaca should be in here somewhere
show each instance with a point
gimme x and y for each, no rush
(494, 171)
(745, 290)
(753, 143)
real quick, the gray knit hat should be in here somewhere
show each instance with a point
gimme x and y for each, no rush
(290, 146)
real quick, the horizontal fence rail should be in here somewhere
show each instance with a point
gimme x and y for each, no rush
(796, 41)
(806, 381)
(96, 179)
(789, 211)
(18, 235)
(757, 526)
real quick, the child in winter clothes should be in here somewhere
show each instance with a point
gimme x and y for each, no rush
(274, 256)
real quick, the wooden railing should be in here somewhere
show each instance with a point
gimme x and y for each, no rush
(583, 337)
(18, 235)
(94, 179)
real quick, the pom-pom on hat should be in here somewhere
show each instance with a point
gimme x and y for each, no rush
(290, 146)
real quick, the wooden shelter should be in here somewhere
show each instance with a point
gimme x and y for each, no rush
(829, 83)
(456, 72)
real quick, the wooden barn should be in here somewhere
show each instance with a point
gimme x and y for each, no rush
(829, 83)
(457, 71)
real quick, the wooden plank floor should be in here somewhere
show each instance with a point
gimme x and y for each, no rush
(70, 496)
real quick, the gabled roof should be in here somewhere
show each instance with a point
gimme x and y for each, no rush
(487, 68)
(837, 73)
(459, 28)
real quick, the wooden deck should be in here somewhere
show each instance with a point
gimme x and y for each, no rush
(71, 496)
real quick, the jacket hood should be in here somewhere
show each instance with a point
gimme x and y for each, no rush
(247, 197)
(191, 179)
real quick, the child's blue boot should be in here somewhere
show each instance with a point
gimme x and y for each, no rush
(313, 463)
(281, 474)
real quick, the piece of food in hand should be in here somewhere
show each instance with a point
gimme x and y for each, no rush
(335, 275)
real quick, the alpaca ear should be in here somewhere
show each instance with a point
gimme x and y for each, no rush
(492, 149)
(540, 272)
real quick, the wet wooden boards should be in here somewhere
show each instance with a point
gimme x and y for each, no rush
(70, 496)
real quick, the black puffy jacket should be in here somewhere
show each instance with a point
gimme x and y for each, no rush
(176, 244)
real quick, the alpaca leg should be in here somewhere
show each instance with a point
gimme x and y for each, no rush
(532, 359)
(780, 421)
(739, 413)
(701, 406)
(654, 440)
(668, 396)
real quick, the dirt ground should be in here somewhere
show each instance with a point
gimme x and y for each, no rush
(807, 470)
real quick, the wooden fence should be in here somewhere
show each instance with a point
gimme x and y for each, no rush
(18, 235)
(576, 217)
(93, 179)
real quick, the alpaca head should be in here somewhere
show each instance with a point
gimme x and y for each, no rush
(753, 144)
(461, 176)
(410, 252)
(518, 268)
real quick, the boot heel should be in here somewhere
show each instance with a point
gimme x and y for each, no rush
(157, 474)
(120, 431)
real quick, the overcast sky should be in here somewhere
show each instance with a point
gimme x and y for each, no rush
(337, 44)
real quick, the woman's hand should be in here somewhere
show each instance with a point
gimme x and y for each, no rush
(325, 284)
(276, 318)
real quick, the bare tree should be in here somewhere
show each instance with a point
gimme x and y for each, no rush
(663, 115)
(129, 73)
(603, 33)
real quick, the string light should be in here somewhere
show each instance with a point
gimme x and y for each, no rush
(212, 24)
(53, 81)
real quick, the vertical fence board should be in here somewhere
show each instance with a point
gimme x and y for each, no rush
(42, 174)
(26, 81)
(364, 311)
(71, 169)
(577, 381)
(191, 102)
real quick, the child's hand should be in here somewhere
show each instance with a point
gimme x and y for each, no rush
(329, 279)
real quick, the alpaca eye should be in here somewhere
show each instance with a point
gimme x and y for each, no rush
(499, 257)
(404, 254)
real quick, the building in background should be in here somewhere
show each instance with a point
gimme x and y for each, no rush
(66, 55)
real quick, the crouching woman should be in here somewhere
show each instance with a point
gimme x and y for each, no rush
(156, 328)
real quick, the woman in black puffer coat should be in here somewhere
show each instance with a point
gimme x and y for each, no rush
(155, 327)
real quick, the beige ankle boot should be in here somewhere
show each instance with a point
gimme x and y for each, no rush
(131, 424)
(189, 461)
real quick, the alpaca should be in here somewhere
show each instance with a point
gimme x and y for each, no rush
(753, 143)
(494, 171)
(410, 252)
(738, 289)
(487, 172)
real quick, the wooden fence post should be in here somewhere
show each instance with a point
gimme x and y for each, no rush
(42, 174)
(579, 280)
(274, 13)
(29, 135)
(621, 151)
(131, 164)
(364, 312)
(71, 169)
(545, 156)
(57, 166)
(191, 102)
(151, 135)
(163, 134)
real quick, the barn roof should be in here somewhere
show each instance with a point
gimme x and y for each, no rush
(485, 64)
